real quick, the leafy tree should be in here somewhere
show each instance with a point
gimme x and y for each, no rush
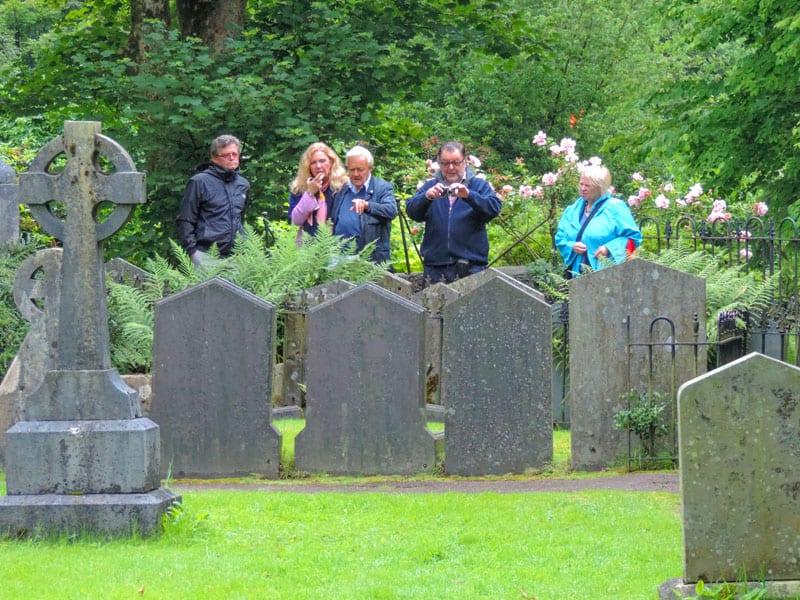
(213, 21)
(143, 11)
(731, 106)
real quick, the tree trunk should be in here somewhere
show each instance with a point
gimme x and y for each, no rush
(211, 20)
(142, 10)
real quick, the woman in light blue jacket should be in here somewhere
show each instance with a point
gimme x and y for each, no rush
(596, 226)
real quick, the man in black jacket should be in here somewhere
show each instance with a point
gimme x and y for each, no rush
(213, 203)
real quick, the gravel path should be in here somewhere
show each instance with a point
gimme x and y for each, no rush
(631, 482)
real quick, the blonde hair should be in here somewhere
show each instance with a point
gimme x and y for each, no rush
(599, 176)
(337, 177)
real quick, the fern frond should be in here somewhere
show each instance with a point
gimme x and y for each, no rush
(727, 287)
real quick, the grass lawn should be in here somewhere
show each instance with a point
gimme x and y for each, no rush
(247, 544)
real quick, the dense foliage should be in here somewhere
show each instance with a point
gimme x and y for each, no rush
(622, 79)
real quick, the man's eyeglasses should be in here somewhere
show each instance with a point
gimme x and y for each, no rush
(229, 155)
(451, 163)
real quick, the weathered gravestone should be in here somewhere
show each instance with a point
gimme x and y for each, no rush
(739, 429)
(496, 377)
(365, 387)
(434, 298)
(213, 352)
(9, 205)
(83, 458)
(37, 292)
(396, 284)
(600, 379)
(295, 310)
(295, 334)
(121, 271)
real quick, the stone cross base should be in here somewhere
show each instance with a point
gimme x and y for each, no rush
(83, 457)
(775, 589)
(98, 514)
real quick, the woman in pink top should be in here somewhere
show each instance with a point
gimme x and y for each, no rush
(319, 176)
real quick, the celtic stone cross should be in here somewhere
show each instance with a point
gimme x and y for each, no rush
(85, 193)
(83, 458)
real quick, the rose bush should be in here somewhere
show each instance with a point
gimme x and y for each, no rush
(533, 203)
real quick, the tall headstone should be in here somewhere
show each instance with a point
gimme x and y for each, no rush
(9, 205)
(83, 458)
(365, 387)
(740, 475)
(600, 378)
(496, 377)
(37, 293)
(295, 335)
(213, 352)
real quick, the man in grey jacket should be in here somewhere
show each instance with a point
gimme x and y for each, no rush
(364, 208)
(213, 202)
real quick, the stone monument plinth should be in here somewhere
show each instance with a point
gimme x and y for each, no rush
(82, 458)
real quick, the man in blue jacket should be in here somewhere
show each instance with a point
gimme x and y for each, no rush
(364, 208)
(455, 206)
(213, 203)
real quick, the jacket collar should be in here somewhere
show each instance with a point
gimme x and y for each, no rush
(369, 185)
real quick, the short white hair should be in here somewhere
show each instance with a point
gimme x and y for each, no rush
(360, 151)
(599, 175)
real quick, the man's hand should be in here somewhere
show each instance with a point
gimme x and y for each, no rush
(360, 206)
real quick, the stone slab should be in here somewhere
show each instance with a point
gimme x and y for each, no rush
(600, 380)
(739, 439)
(37, 292)
(98, 514)
(496, 377)
(675, 588)
(121, 271)
(9, 205)
(213, 353)
(83, 394)
(100, 457)
(364, 411)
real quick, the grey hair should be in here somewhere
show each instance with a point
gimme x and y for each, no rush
(360, 151)
(453, 147)
(222, 141)
(598, 175)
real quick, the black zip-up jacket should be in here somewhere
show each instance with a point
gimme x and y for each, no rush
(211, 210)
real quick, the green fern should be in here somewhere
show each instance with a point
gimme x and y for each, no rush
(727, 287)
(131, 327)
(273, 274)
(13, 326)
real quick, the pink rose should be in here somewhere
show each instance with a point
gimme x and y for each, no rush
(549, 179)
(525, 191)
